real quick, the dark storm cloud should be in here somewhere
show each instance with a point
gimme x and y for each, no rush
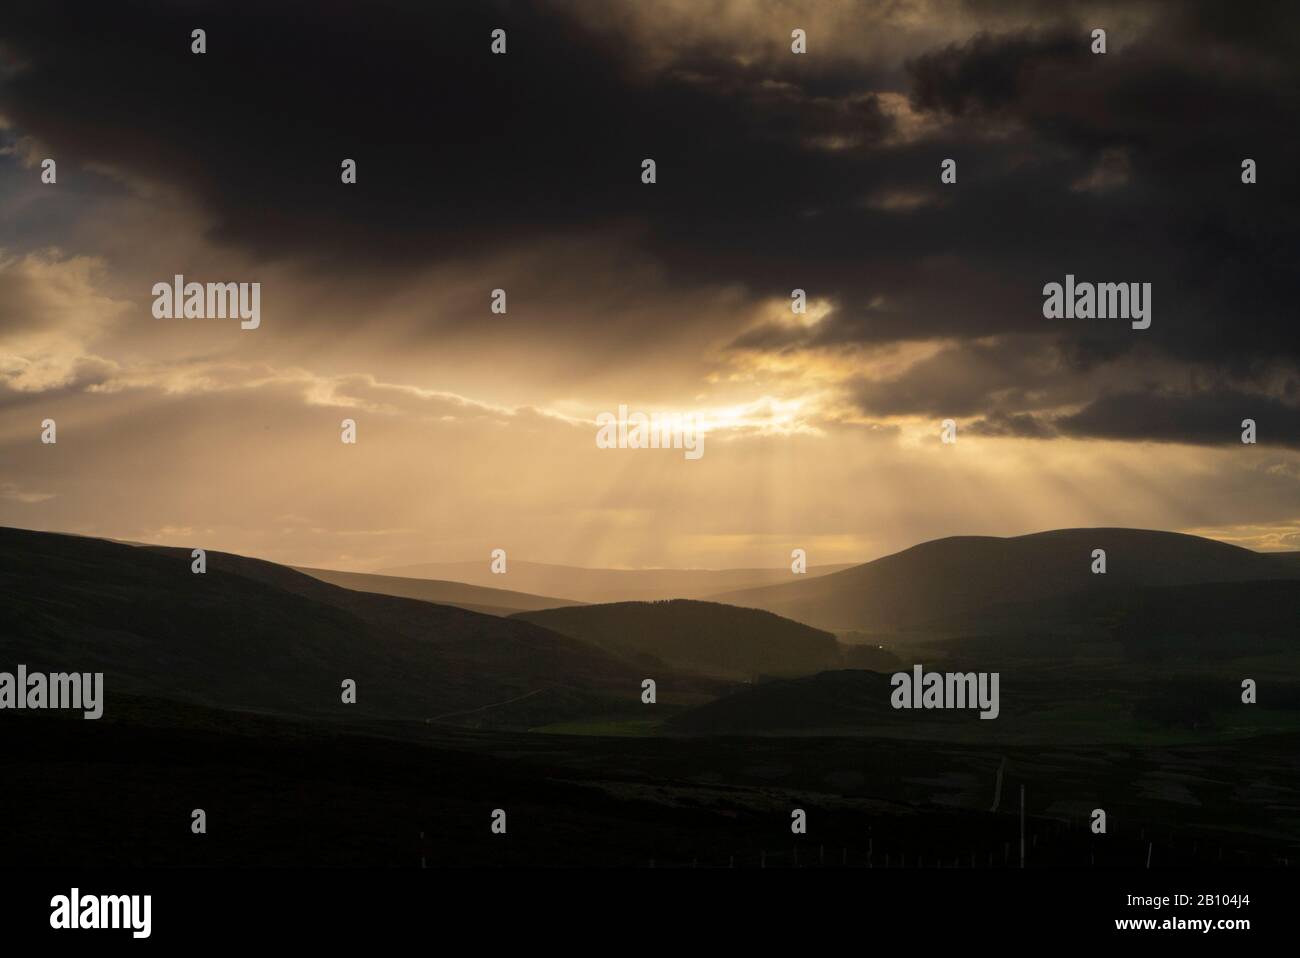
(1183, 103)
(456, 148)
(989, 73)
(968, 380)
(1210, 418)
(1020, 425)
(1122, 167)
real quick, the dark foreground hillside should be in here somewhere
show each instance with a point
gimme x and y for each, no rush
(705, 637)
(931, 585)
(249, 634)
(282, 793)
(224, 696)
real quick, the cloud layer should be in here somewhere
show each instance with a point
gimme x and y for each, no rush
(776, 171)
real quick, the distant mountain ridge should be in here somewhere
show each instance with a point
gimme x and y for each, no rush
(704, 637)
(475, 598)
(577, 584)
(947, 579)
(249, 634)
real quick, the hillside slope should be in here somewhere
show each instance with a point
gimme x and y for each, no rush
(947, 580)
(475, 598)
(704, 637)
(604, 585)
(253, 635)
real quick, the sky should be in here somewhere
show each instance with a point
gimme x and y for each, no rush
(523, 171)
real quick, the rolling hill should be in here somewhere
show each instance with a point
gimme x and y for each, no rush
(1198, 626)
(833, 700)
(604, 585)
(253, 635)
(937, 584)
(1035, 705)
(499, 602)
(702, 637)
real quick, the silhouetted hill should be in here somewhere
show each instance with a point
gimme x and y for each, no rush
(1206, 623)
(1046, 705)
(500, 602)
(705, 637)
(948, 579)
(253, 635)
(838, 700)
(304, 794)
(604, 585)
